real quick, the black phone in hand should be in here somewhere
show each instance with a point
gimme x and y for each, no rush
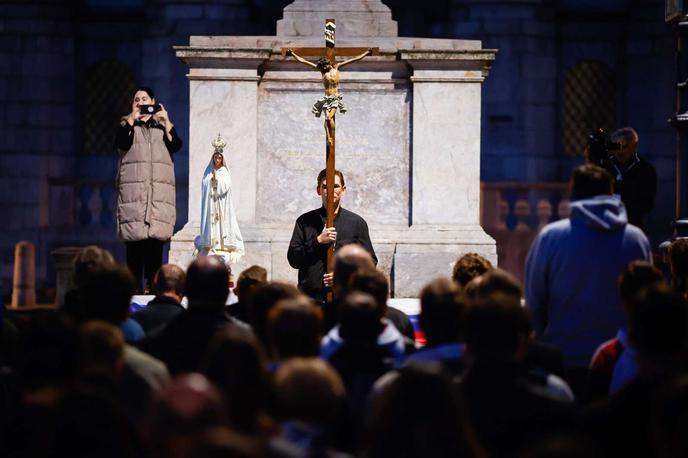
(149, 109)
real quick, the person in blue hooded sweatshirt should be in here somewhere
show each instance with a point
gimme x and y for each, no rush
(572, 270)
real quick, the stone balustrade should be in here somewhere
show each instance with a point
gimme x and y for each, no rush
(513, 213)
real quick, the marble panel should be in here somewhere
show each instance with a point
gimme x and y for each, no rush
(227, 108)
(372, 150)
(446, 152)
(414, 268)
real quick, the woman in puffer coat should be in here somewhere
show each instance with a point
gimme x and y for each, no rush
(146, 212)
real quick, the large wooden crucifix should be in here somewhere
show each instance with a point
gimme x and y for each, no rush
(330, 103)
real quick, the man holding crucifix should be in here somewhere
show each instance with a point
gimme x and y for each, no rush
(316, 234)
(312, 237)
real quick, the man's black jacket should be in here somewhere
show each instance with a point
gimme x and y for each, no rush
(310, 257)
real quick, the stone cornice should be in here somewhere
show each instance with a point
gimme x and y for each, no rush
(429, 60)
(221, 57)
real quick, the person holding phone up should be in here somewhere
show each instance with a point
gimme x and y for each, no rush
(146, 211)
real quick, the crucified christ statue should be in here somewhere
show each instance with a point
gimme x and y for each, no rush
(330, 103)
(333, 99)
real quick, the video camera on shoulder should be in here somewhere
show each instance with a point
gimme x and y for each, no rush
(600, 147)
(149, 109)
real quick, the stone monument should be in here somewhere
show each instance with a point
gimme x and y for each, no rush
(409, 146)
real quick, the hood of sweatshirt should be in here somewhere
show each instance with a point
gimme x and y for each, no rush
(604, 213)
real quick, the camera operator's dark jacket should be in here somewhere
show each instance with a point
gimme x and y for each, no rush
(636, 182)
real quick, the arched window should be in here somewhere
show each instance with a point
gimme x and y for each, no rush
(589, 101)
(107, 95)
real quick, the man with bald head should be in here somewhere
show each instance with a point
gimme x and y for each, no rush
(354, 258)
(182, 342)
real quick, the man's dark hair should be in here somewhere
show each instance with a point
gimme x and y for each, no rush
(235, 362)
(323, 175)
(590, 180)
(496, 281)
(658, 326)
(90, 259)
(102, 348)
(360, 318)
(469, 266)
(145, 89)
(207, 283)
(635, 277)
(373, 282)
(495, 327)
(295, 328)
(107, 294)
(678, 258)
(310, 390)
(248, 279)
(170, 278)
(261, 300)
(441, 312)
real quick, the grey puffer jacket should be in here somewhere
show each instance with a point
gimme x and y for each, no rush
(145, 183)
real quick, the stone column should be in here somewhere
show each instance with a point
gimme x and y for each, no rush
(223, 99)
(446, 135)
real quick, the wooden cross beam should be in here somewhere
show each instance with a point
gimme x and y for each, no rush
(331, 82)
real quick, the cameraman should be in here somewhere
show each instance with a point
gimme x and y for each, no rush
(635, 179)
(146, 210)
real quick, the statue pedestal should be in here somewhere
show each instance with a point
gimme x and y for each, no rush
(409, 146)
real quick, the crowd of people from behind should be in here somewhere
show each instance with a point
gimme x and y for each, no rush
(588, 360)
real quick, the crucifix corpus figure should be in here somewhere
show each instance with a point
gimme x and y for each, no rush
(332, 101)
(329, 104)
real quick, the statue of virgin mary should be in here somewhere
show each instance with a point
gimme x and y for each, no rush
(220, 234)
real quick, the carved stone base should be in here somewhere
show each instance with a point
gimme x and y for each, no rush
(410, 257)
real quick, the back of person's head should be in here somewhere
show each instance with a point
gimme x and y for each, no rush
(107, 294)
(626, 135)
(469, 266)
(635, 277)
(183, 409)
(658, 326)
(262, 299)
(417, 414)
(590, 180)
(373, 282)
(207, 283)
(102, 349)
(48, 353)
(496, 328)
(90, 259)
(170, 279)
(360, 318)
(295, 328)
(347, 260)
(495, 281)
(309, 390)
(248, 279)
(234, 361)
(678, 259)
(441, 312)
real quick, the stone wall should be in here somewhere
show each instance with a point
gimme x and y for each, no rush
(53, 195)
